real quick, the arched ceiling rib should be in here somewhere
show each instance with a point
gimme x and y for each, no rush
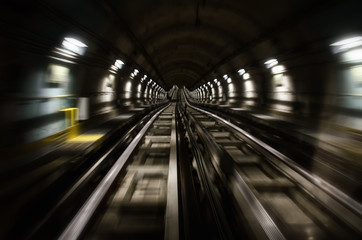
(182, 64)
(190, 51)
(191, 75)
(182, 67)
(216, 37)
(187, 55)
(187, 41)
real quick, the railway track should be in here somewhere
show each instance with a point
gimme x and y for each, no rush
(273, 197)
(138, 197)
(189, 174)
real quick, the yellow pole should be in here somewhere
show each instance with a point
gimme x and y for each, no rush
(71, 122)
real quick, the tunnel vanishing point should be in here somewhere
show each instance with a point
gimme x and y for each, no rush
(78, 79)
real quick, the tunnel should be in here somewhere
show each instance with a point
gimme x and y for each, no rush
(214, 119)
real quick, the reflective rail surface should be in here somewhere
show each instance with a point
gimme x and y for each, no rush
(276, 198)
(139, 195)
(233, 184)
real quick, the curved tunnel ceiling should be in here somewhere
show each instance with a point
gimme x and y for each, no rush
(186, 42)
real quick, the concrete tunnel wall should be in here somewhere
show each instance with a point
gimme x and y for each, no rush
(37, 81)
(36, 89)
(330, 90)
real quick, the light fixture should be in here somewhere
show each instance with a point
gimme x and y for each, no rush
(229, 80)
(74, 45)
(65, 53)
(347, 44)
(271, 62)
(278, 69)
(352, 56)
(143, 78)
(225, 76)
(215, 80)
(113, 67)
(246, 76)
(241, 71)
(118, 64)
(134, 73)
(350, 48)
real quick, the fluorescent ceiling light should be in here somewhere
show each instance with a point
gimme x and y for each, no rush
(353, 56)
(271, 62)
(215, 80)
(278, 69)
(246, 76)
(241, 71)
(62, 59)
(65, 53)
(347, 41)
(75, 42)
(144, 78)
(74, 45)
(113, 67)
(118, 64)
(225, 76)
(346, 44)
(135, 72)
(229, 80)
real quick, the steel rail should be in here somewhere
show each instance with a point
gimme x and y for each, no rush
(172, 208)
(216, 209)
(81, 219)
(353, 217)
